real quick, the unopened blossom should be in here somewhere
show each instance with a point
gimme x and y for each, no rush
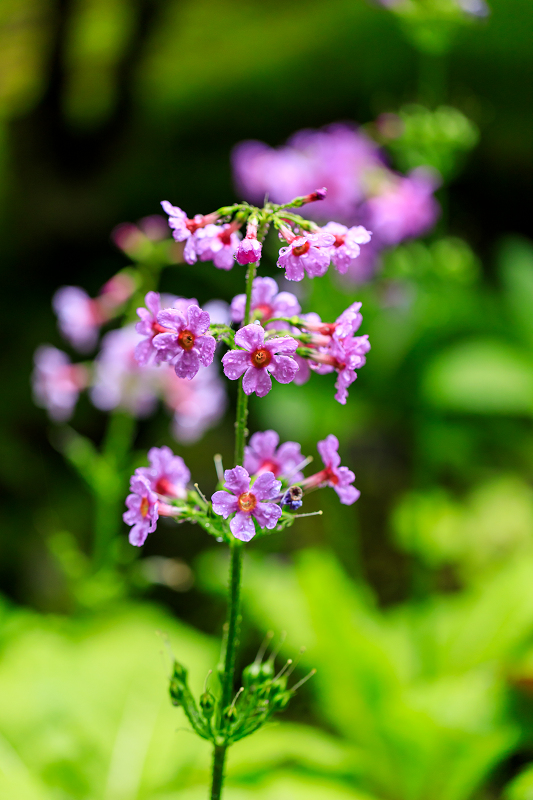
(119, 380)
(262, 454)
(143, 509)
(167, 473)
(339, 478)
(57, 382)
(145, 351)
(405, 208)
(308, 253)
(346, 247)
(248, 503)
(197, 404)
(216, 243)
(185, 344)
(115, 292)
(267, 302)
(259, 359)
(78, 316)
(249, 250)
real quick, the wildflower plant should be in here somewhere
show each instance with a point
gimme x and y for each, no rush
(265, 337)
(176, 344)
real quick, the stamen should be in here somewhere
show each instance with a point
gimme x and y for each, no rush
(295, 663)
(310, 514)
(304, 680)
(241, 690)
(202, 495)
(276, 650)
(219, 467)
(298, 468)
(283, 669)
(262, 650)
(206, 679)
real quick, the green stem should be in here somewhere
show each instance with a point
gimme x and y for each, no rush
(219, 756)
(231, 639)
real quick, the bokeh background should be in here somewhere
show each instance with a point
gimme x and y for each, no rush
(416, 604)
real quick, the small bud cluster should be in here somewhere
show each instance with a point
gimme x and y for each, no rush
(263, 692)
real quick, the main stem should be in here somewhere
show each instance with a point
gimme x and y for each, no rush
(228, 677)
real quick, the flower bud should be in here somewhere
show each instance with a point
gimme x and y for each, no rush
(230, 714)
(281, 701)
(257, 673)
(207, 704)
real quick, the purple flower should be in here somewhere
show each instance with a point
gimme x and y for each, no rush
(57, 382)
(259, 358)
(348, 355)
(261, 455)
(78, 316)
(406, 208)
(145, 351)
(142, 510)
(307, 253)
(339, 478)
(197, 404)
(119, 380)
(338, 156)
(267, 302)
(216, 243)
(345, 248)
(167, 473)
(348, 322)
(177, 221)
(247, 502)
(187, 344)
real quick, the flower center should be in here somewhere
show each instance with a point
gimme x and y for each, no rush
(186, 340)
(145, 505)
(301, 249)
(268, 466)
(247, 501)
(339, 240)
(225, 236)
(261, 357)
(330, 476)
(163, 486)
(263, 311)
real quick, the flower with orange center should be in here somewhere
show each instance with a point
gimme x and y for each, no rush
(187, 342)
(260, 357)
(248, 504)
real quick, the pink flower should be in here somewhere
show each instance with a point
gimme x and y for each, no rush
(142, 511)
(307, 253)
(339, 478)
(167, 473)
(114, 293)
(248, 503)
(248, 251)
(345, 248)
(267, 302)
(149, 327)
(79, 317)
(261, 455)
(405, 209)
(119, 380)
(186, 344)
(178, 221)
(348, 356)
(198, 404)
(216, 243)
(57, 382)
(259, 359)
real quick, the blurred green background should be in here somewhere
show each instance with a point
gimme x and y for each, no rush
(416, 604)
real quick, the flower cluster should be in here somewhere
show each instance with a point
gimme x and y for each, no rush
(362, 191)
(253, 498)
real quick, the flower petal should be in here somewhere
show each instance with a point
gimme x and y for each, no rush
(172, 318)
(257, 380)
(266, 487)
(242, 527)
(235, 362)
(267, 514)
(237, 480)
(187, 364)
(197, 320)
(205, 347)
(224, 503)
(283, 368)
(285, 345)
(328, 448)
(347, 494)
(251, 337)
